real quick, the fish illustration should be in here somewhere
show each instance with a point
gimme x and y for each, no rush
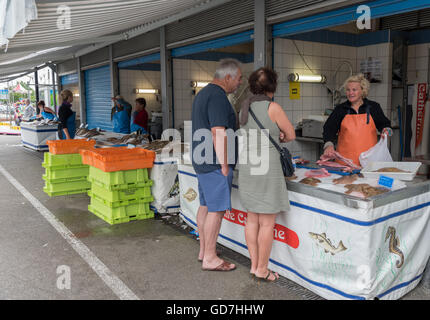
(190, 195)
(394, 245)
(325, 243)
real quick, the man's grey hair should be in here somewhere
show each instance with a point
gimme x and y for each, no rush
(225, 67)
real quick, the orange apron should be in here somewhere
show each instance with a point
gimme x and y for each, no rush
(357, 134)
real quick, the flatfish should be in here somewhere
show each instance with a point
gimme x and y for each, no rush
(310, 181)
(365, 189)
(346, 179)
(391, 169)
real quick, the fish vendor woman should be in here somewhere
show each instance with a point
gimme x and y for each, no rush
(120, 115)
(355, 122)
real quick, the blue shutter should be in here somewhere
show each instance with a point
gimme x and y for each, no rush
(98, 98)
(69, 79)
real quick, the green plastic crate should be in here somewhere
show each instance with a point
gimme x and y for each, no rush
(58, 188)
(119, 180)
(121, 195)
(137, 211)
(56, 160)
(120, 203)
(113, 221)
(53, 173)
(64, 180)
(62, 193)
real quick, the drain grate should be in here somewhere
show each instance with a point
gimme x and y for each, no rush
(175, 221)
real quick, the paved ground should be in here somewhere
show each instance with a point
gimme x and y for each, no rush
(151, 259)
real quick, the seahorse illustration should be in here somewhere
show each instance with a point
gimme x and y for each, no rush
(394, 245)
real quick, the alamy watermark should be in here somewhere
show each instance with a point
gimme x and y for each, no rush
(64, 280)
(64, 21)
(365, 19)
(251, 147)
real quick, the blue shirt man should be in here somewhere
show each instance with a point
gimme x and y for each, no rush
(212, 116)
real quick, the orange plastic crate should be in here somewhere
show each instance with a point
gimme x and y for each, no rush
(118, 158)
(69, 146)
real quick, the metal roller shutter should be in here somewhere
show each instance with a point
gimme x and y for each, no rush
(379, 9)
(69, 79)
(234, 13)
(275, 7)
(98, 98)
(67, 67)
(407, 21)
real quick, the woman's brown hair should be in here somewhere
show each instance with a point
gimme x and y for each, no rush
(263, 80)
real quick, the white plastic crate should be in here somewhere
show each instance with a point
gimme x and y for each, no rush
(412, 167)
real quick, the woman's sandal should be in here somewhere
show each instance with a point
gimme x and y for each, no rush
(266, 279)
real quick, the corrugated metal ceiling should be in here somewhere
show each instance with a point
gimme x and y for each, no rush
(95, 22)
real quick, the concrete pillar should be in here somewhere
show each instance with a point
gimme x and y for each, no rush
(81, 81)
(114, 74)
(36, 88)
(166, 80)
(260, 34)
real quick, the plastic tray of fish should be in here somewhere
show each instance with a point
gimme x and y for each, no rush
(396, 170)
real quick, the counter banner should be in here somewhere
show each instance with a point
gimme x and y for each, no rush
(334, 250)
(165, 187)
(421, 102)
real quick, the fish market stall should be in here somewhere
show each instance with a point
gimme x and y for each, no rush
(339, 242)
(34, 135)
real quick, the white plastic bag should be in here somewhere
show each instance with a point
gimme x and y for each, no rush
(379, 152)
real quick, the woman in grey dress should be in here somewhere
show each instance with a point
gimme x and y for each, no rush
(262, 187)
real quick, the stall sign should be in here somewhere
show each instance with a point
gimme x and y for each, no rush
(421, 103)
(294, 90)
(385, 181)
(281, 233)
(4, 94)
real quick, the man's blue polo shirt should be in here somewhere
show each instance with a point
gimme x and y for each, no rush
(211, 108)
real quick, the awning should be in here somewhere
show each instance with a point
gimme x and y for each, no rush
(81, 26)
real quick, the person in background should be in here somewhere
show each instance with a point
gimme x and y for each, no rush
(45, 112)
(213, 115)
(67, 127)
(139, 118)
(120, 115)
(28, 111)
(262, 194)
(354, 122)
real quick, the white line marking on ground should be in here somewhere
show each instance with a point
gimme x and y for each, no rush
(108, 277)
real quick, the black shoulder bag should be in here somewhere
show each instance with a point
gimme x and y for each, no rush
(286, 159)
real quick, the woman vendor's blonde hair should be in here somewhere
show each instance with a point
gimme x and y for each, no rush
(361, 79)
(65, 94)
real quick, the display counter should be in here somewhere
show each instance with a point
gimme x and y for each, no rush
(339, 246)
(35, 136)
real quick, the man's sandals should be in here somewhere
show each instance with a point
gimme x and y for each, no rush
(224, 266)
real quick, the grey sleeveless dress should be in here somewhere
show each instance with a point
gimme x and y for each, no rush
(262, 187)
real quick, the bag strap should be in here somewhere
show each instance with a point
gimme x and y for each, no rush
(262, 128)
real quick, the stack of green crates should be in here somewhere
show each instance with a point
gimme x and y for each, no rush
(120, 196)
(65, 174)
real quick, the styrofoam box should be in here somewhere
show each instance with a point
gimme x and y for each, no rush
(412, 167)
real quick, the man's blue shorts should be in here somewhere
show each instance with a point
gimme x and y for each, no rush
(215, 190)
